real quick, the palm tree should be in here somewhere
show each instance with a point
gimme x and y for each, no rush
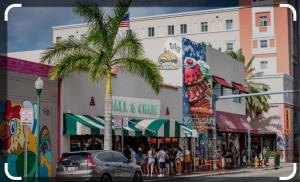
(103, 49)
(255, 105)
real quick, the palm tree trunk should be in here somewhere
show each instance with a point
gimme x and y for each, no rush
(107, 114)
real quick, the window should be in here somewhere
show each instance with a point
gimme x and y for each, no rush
(171, 30)
(229, 24)
(263, 43)
(229, 46)
(117, 157)
(151, 32)
(129, 32)
(71, 36)
(183, 28)
(263, 21)
(263, 64)
(58, 39)
(204, 26)
(82, 36)
(236, 92)
(218, 89)
(105, 157)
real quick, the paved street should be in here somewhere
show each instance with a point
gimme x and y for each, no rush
(235, 175)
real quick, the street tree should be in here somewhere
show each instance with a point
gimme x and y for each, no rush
(104, 48)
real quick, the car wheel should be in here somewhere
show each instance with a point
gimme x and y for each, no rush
(106, 178)
(138, 177)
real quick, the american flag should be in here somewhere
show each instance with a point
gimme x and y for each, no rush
(125, 21)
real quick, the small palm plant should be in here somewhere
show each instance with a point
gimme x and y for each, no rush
(103, 49)
(255, 105)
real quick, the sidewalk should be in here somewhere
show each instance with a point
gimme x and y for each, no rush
(218, 172)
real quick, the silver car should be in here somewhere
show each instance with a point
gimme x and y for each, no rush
(97, 165)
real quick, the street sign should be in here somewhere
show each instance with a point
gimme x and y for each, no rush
(117, 122)
(125, 122)
(26, 116)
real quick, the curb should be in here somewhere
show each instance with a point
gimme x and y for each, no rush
(195, 175)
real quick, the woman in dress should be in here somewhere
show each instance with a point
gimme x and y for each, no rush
(151, 161)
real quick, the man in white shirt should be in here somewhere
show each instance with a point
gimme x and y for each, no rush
(162, 160)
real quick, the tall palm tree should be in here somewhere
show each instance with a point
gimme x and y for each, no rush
(103, 49)
(255, 105)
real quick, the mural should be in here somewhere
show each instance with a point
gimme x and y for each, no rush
(12, 138)
(196, 87)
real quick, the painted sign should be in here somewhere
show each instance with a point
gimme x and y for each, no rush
(196, 88)
(135, 107)
(170, 58)
(12, 138)
(287, 121)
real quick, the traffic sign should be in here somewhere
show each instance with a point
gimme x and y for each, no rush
(26, 116)
(125, 122)
(117, 122)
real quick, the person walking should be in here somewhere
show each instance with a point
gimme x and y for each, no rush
(162, 161)
(151, 161)
(138, 157)
(132, 156)
(187, 160)
(127, 153)
(179, 159)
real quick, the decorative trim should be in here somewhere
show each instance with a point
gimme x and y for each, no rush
(175, 87)
(23, 66)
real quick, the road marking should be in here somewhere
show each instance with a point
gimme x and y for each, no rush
(291, 175)
(9, 8)
(291, 8)
(10, 176)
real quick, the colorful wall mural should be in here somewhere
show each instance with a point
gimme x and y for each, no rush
(12, 138)
(196, 86)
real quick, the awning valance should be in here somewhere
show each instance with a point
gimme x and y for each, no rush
(239, 86)
(230, 122)
(85, 125)
(221, 81)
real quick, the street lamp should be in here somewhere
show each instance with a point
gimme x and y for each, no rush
(38, 87)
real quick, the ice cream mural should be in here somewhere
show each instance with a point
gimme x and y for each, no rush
(196, 88)
(12, 138)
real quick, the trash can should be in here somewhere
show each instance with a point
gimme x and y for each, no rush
(277, 161)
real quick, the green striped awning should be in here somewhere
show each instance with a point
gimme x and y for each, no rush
(162, 128)
(94, 125)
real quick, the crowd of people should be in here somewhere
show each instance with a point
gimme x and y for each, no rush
(162, 161)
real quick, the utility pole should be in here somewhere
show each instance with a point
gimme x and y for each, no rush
(216, 98)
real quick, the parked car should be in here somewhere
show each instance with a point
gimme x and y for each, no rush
(97, 165)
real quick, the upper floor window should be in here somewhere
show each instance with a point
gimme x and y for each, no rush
(151, 32)
(71, 36)
(263, 64)
(171, 30)
(263, 22)
(183, 28)
(263, 43)
(204, 26)
(58, 39)
(236, 92)
(229, 46)
(217, 89)
(82, 36)
(229, 24)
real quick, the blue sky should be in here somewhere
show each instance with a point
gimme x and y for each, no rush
(30, 28)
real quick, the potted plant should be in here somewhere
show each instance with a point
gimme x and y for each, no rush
(271, 157)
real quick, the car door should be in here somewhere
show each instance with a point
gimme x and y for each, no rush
(107, 165)
(123, 164)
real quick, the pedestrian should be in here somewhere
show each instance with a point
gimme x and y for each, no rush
(168, 161)
(187, 159)
(162, 160)
(179, 160)
(151, 161)
(127, 152)
(132, 156)
(138, 157)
